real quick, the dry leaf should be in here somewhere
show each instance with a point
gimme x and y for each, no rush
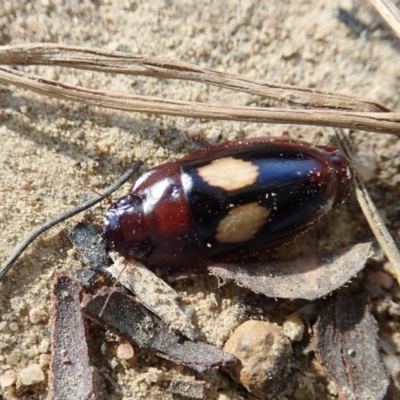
(346, 344)
(307, 277)
(71, 375)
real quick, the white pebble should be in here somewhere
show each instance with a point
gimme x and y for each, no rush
(13, 358)
(125, 351)
(30, 375)
(35, 315)
(8, 378)
(13, 326)
(44, 360)
(294, 328)
(44, 346)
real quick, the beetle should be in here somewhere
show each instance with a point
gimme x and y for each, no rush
(227, 202)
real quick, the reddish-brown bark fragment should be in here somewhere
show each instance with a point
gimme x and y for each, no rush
(130, 319)
(346, 344)
(71, 375)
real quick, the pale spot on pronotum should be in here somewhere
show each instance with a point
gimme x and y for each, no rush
(229, 173)
(242, 223)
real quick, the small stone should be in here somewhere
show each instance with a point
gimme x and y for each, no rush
(44, 346)
(30, 375)
(382, 279)
(392, 364)
(294, 328)
(8, 379)
(13, 326)
(35, 315)
(3, 345)
(264, 353)
(18, 305)
(32, 338)
(13, 358)
(25, 185)
(3, 326)
(125, 351)
(44, 360)
(195, 130)
(366, 166)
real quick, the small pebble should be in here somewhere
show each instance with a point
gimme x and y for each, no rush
(392, 364)
(32, 338)
(294, 328)
(195, 130)
(44, 346)
(35, 315)
(382, 279)
(25, 185)
(366, 166)
(264, 353)
(3, 325)
(13, 326)
(13, 358)
(125, 351)
(8, 378)
(30, 375)
(44, 360)
(18, 305)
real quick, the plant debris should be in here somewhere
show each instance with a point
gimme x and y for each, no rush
(346, 344)
(188, 389)
(90, 246)
(305, 277)
(71, 375)
(153, 293)
(150, 290)
(130, 319)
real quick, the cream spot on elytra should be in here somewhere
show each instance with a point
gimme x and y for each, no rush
(229, 173)
(242, 223)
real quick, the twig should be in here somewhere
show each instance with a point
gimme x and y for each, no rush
(383, 122)
(390, 13)
(131, 64)
(64, 216)
(371, 213)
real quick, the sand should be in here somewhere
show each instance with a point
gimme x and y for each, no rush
(54, 153)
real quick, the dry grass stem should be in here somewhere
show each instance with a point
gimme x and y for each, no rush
(323, 109)
(371, 213)
(390, 13)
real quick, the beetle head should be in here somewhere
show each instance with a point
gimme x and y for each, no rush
(125, 229)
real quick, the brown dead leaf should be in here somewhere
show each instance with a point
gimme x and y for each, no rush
(307, 277)
(346, 344)
(71, 375)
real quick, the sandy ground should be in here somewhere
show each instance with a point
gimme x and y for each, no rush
(53, 152)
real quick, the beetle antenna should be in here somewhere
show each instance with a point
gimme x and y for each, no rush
(64, 216)
(105, 197)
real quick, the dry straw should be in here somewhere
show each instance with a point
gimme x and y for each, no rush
(314, 107)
